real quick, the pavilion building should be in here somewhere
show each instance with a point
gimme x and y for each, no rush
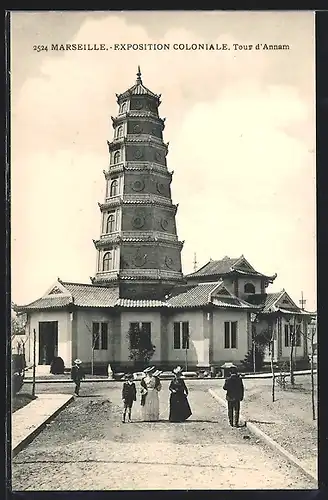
(198, 320)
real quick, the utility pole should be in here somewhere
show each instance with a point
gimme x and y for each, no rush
(195, 262)
(34, 361)
(302, 302)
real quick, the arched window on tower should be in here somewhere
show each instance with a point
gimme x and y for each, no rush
(114, 188)
(110, 223)
(119, 131)
(108, 261)
(117, 157)
(249, 288)
(123, 107)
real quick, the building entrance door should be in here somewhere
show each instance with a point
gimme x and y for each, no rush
(48, 341)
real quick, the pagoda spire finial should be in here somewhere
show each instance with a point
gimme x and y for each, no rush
(139, 75)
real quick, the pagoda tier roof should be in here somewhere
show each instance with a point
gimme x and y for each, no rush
(227, 265)
(64, 294)
(142, 139)
(116, 239)
(159, 170)
(277, 302)
(145, 115)
(138, 89)
(140, 199)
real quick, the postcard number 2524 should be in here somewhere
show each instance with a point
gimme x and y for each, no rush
(40, 48)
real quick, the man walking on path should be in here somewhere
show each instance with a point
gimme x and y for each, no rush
(77, 374)
(235, 393)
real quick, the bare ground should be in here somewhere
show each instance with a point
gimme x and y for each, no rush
(88, 448)
(288, 420)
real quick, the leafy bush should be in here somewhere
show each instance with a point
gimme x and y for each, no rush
(18, 365)
(248, 364)
(140, 346)
(17, 381)
(57, 366)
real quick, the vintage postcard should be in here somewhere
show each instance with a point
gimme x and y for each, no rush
(163, 250)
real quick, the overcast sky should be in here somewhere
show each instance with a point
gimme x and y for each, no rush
(241, 127)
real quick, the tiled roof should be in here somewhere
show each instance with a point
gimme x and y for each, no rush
(264, 300)
(140, 303)
(191, 296)
(225, 266)
(213, 267)
(53, 302)
(88, 295)
(182, 296)
(199, 295)
(267, 302)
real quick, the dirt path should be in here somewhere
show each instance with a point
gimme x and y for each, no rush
(88, 448)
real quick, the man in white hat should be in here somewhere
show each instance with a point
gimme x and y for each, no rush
(77, 374)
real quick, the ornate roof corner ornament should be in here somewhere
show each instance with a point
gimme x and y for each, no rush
(58, 279)
(139, 75)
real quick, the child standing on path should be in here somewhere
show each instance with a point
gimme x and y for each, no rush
(129, 394)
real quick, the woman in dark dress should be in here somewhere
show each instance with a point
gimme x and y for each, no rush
(179, 406)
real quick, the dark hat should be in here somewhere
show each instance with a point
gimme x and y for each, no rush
(177, 370)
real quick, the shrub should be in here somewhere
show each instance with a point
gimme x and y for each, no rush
(247, 363)
(140, 347)
(57, 366)
(17, 381)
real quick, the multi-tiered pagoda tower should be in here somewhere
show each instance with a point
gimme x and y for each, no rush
(138, 249)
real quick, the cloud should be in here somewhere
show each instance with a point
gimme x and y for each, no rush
(239, 139)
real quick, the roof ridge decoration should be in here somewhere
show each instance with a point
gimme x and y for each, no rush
(138, 89)
(243, 260)
(57, 288)
(217, 288)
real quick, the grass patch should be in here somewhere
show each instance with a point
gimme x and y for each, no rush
(20, 400)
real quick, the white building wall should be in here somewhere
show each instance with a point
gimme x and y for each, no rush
(219, 351)
(84, 319)
(198, 351)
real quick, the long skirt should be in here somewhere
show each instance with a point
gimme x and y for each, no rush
(179, 408)
(150, 410)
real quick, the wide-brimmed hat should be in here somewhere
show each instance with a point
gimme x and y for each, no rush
(149, 369)
(77, 361)
(177, 370)
(157, 373)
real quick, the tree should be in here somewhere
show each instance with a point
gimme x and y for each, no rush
(309, 335)
(312, 335)
(18, 361)
(292, 340)
(254, 359)
(140, 345)
(95, 335)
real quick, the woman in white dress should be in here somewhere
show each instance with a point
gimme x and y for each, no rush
(150, 387)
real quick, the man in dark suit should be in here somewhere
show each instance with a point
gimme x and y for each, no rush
(235, 394)
(77, 374)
